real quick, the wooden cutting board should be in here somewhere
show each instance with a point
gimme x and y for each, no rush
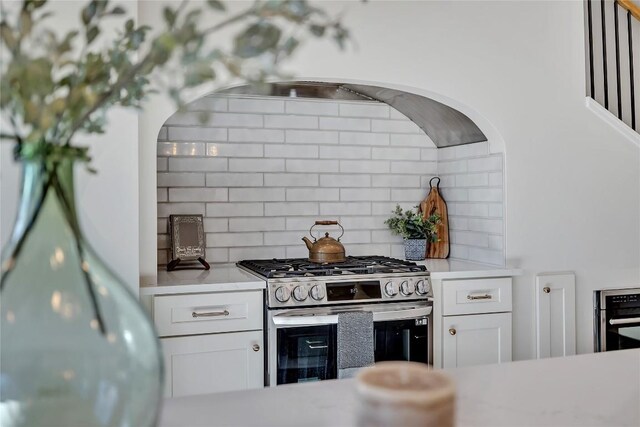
(434, 203)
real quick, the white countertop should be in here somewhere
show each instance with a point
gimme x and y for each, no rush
(220, 278)
(458, 269)
(601, 389)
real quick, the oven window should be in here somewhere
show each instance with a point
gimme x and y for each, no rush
(623, 337)
(402, 340)
(306, 354)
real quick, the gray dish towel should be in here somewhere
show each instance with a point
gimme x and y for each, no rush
(355, 342)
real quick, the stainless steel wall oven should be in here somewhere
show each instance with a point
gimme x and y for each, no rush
(616, 319)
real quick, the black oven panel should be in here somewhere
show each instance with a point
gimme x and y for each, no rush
(351, 291)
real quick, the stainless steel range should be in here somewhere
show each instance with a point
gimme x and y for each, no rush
(303, 300)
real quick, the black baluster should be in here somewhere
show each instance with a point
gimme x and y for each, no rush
(633, 93)
(592, 83)
(604, 54)
(617, 31)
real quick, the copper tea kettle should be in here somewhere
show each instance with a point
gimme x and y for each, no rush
(325, 250)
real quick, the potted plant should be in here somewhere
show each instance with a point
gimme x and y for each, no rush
(77, 348)
(415, 229)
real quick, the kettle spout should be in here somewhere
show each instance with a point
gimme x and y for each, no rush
(307, 242)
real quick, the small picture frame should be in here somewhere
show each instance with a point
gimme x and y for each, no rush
(186, 234)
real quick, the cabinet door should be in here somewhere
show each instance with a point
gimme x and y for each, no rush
(476, 340)
(211, 363)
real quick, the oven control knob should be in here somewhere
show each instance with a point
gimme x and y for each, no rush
(391, 289)
(300, 293)
(317, 293)
(407, 288)
(282, 294)
(422, 287)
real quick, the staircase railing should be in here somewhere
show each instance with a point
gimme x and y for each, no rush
(613, 57)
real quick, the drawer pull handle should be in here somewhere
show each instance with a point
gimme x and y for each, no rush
(211, 314)
(477, 297)
(452, 331)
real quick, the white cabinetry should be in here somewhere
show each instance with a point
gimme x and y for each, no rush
(472, 319)
(211, 342)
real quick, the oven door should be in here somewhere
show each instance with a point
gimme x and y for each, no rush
(621, 331)
(303, 342)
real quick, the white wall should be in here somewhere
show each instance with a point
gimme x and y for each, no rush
(107, 201)
(572, 184)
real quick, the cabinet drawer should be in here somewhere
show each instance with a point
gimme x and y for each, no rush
(476, 296)
(207, 313)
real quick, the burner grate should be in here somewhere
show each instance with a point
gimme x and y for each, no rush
(302, 267)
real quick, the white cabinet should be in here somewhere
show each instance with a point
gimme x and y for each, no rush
(211, 342)
(211, 363)
(476, 339)
(472, 321)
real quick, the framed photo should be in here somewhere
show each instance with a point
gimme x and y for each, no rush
(187, 239)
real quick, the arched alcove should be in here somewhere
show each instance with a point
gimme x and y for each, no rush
(264, 165)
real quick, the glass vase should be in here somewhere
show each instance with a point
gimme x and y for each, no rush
(76, 347)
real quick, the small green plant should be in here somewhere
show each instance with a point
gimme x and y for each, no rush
(411, 225)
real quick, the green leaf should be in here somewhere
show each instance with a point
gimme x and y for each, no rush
(216, 4)
(256, 39)
(290, 45)
(317, 30)
(88, 12)
(6, 33)
(169, 16)
(92, 33)
(26, 23)
(118, 11)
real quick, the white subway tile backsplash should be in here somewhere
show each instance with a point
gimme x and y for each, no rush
(215, 225)
(197, 164)
(256, 165)
(472, 180)
(256, 105)
(492, 163)
(364, 138)
(229, 179)
(485, 194)
(343, 123)
(163, 241)
(311, 136)
(166, 209)
(343, 180)
(230, 240)
(344, 152)
(208, 103)
(395, 153)
(472, 150)
(263, 169)
(181, 179)
(345, 208)
(311, 166)
(230, 210)
(256, 135)
(414, 167)
(163, 257)
(394, 126)
(260, 252)
(486, 225)
(313, 194)
(361, 109)
(291, 121)
(215, 120)
(258, 194)
(364, 194)
(256, 224)
(196, 194)
(396, 181)
(290, 179)
(291, 208)
(312, 108)
(237, 149)
(364, 166)
(286, 151)
(413, 140)
(197, 134)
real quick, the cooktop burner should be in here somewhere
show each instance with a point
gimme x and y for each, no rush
(302, 267)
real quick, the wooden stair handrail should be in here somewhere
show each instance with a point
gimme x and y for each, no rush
(633, 8)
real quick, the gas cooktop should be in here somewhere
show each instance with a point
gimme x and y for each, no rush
(302, 267)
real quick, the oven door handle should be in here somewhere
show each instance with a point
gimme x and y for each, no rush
(624, 321)
(332, 319)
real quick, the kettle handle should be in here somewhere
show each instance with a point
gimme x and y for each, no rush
(319, 222)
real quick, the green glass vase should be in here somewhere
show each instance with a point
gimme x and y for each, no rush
(76, 347)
